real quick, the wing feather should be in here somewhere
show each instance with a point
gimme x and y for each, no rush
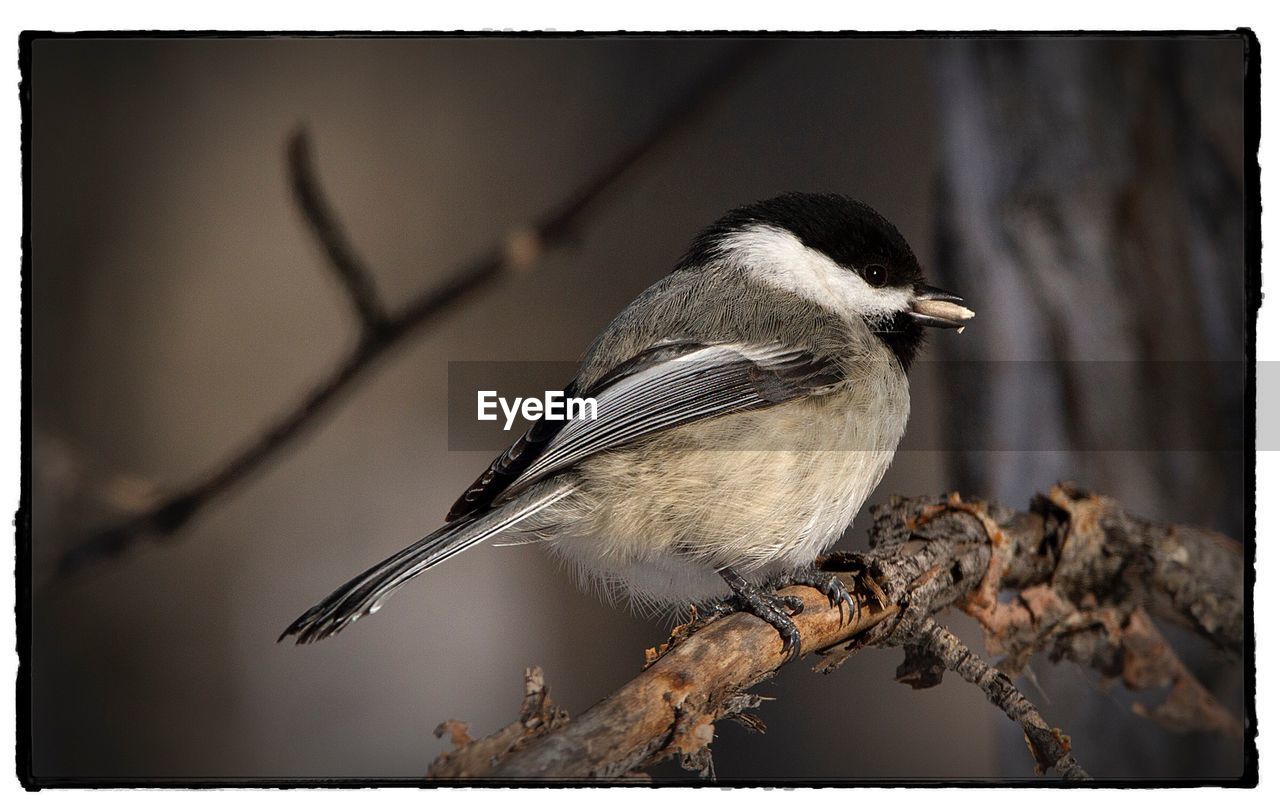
(668, 385)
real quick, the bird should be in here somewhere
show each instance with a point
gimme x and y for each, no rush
(747, 404)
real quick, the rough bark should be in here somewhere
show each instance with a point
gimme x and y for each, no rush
(1050, 748)
(1082, 571)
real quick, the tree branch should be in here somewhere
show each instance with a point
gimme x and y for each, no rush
(381, 330)
(346, 265)
(1048, 746)
(1082, 570)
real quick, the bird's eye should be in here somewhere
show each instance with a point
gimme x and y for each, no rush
(876, 275)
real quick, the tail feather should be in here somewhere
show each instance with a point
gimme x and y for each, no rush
(364, 593)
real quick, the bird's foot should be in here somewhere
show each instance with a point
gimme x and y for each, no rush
(774, 609)
(829, 584)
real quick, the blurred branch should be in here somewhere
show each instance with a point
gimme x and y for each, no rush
(383, 330)
(350, 270)
(1082, 571)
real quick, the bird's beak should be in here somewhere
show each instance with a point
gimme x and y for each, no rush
(937, 308)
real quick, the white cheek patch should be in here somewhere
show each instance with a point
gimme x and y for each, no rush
(777, 257)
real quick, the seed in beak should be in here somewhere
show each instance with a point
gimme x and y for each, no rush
(947, 311)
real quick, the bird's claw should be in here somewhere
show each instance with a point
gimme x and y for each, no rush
(829, 584)
(775, 609)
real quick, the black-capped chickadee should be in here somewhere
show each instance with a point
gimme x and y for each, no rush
(747, 405)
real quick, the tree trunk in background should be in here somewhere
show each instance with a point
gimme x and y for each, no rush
(1091, 206)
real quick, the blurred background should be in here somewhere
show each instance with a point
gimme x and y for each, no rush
(1086, 195)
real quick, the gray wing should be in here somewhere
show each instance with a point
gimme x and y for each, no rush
(675, 384)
